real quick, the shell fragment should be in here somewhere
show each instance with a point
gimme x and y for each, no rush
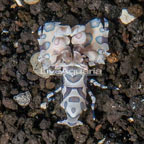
(19, 3)
(31, 2)
(125, 17)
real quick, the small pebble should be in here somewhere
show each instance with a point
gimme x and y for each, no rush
(10, 104)
(80, 133)
(130, 119)
(13, 6)
(49, 84)
(113, 58)
(16, 44)
(31, 76)
(14, 91)
(125, 37)
(136, 10)
(4, 139)
(1, 115)
(23, 99)
(34, 112)
(101, 141)
(2, 7)
(19, 3)
(98, 127)
(31, 2)
(44, 124)
(43, 106)
(22, 67)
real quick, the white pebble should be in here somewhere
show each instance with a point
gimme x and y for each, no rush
(5, 32)
(23, 99)
(130, 119)
(125, 17)
(101, 141)
(43, 106)
(19, 3)
(31, 2)
(16, 44)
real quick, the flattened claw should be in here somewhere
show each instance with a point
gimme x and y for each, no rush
(97, 40)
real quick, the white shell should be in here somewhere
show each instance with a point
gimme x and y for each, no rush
(19, 3)
(130, 119)
(31, 2)
(126, 18)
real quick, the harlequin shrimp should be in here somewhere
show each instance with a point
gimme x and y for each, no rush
(72, 51)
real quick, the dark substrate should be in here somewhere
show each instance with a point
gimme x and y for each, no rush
(31, 125)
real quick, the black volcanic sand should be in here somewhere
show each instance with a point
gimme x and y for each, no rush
(31, 125)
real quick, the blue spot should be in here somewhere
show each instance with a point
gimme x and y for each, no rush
(95, 22)
(73, 110)
(49, 26)
(41, 47)
(40, 28)
(99, 39)
(43, 36)
(74, 99)
(91, 38)
(93, 114)
(53, 39)
(65, 104)
(92, 105)
(71, 124)
(104, 29)
(105, 20)
(46, 45)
